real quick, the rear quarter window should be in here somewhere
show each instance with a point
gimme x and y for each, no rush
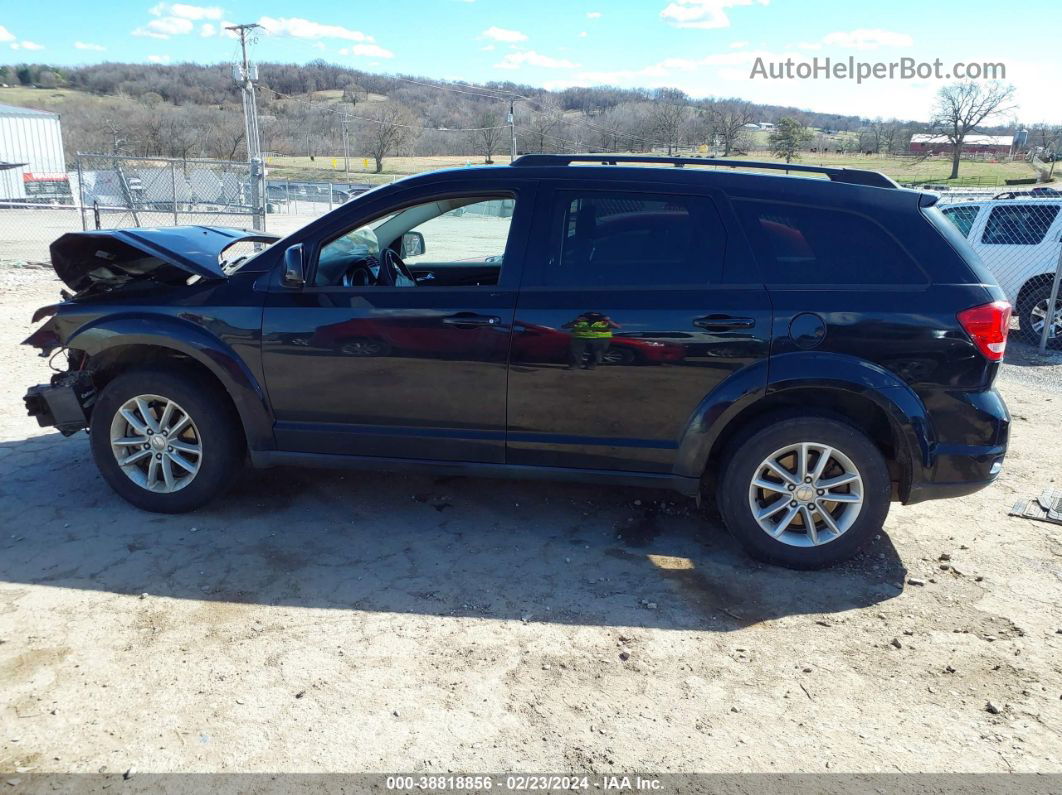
(804, 246)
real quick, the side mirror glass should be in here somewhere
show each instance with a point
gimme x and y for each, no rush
(294, 271)
(412, 245)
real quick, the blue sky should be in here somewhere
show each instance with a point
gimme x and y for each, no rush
(706, 47)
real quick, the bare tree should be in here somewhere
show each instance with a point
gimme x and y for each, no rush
(671, 113)
(386, 127)
(962, 107)
(728, 122)
(488, 137)
(543, 123)
(788, 138)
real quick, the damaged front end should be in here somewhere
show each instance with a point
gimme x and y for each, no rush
(99, 263)
(65, 403)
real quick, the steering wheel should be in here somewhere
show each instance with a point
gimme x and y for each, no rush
(363, 273)
(393, 271)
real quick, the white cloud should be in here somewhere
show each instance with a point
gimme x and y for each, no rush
(5, 34)
(583, 34)
(86, 45)
(593, 15)
(703, 14)
(488, 48)
(185, 11)
(164, 27)
(515, 60)
(31, 45)
(299, 28)
(206, 30)
(867, 39)
(367, 51)
(502, 34)
(158, 59)
(737, 45)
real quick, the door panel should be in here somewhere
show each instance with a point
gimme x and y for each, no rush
(628, 412)
(624, 325)
(382, 371)
(400, 372)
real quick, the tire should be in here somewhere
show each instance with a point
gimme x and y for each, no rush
(794, 547)
(213, 426)
(1035, 300)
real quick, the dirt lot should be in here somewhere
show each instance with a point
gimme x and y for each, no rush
(319, 621)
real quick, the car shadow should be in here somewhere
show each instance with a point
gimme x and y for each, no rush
(491, 549)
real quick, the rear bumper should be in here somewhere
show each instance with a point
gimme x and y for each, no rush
(955, 469)
(958, 473)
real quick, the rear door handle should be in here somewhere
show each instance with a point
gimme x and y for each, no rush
(723, 322)
(470, 320)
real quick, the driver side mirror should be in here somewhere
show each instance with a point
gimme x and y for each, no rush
(412, 245)
(294, 271)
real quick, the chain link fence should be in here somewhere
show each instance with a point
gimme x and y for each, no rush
(1019, 238)
(114, 191)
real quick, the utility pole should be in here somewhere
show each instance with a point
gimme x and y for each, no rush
(512, 129)
(346, 147)
(245, 76)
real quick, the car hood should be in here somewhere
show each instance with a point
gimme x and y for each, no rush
(113, 257)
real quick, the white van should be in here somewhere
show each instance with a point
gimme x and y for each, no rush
(1020, 241)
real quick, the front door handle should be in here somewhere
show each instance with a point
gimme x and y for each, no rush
(723, 322)
(471, 320)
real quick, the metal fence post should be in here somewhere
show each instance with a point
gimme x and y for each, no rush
(81, 193)
(1052, 306)
(173, 187)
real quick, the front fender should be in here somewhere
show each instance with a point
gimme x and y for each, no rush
(182, 335)
(818, 371)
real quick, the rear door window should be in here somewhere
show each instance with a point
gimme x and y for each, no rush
(1019, 224)
(963, 216)
(612, 239)
(804, 246)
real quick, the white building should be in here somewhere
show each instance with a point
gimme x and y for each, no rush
(32, 165)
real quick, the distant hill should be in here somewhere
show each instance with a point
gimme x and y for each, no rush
(194, 110)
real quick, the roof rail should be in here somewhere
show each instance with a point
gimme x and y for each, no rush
(851, 176)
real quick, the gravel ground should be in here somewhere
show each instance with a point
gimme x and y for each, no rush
(324, 621)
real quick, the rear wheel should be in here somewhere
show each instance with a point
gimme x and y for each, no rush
(805, 493)
(1032, 312)
(167, 442)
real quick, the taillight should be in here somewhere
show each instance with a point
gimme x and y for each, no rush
(987, 326)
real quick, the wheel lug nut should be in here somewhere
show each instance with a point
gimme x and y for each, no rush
(790, 487)
(147, 446)
(158, 456)
(793, 504)
(807, 480)
(821, 492)
(169, 449)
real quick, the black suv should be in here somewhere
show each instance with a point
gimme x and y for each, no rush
(804, 349)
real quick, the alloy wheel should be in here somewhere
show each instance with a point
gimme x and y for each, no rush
(156, 443)
(1038, 314)
(806, 494)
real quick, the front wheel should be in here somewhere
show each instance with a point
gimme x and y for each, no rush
(167, 442)
(805, 493)
(1032, 312)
